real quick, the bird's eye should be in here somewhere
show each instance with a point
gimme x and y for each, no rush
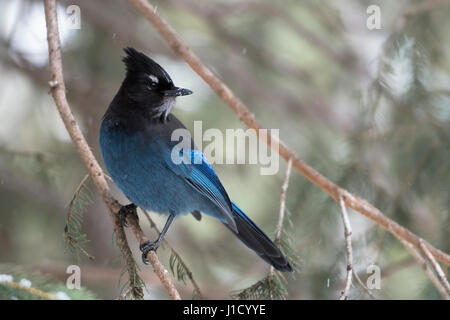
(152, 85)
(153, 81)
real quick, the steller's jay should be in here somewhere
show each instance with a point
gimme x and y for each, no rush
(136, 146)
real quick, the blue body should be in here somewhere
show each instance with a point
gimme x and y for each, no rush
(140, 164)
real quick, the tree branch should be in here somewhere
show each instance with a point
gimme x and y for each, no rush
(176, 254)
(58, 91)
(436, 266)
(423, 264)
(223, 91)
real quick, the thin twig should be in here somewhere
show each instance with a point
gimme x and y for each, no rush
(58, 91)
(175, 253)
(361, 283)
(284, 188)
(75, 243)
(348, 248)
(436, 266)
(279, 229)
(421, 261)
(223, 91)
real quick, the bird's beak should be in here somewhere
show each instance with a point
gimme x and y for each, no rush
(175, 92)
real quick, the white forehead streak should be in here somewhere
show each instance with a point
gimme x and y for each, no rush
(153, 78)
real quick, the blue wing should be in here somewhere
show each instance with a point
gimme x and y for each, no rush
(201, 176)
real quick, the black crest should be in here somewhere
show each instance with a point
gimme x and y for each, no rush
(136, 62)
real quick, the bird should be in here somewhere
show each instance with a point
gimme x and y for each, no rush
(136, 148)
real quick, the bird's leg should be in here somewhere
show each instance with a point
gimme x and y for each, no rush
(152, 246)
(126, 210)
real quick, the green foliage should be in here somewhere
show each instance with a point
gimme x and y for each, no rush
(133, 287)
(177, 268)
(272, 287)
(17, 283)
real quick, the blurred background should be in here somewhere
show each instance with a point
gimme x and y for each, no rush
(369, 109)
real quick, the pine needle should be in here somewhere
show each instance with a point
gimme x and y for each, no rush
(73, 234)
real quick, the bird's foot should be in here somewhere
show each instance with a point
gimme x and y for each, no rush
(125, 211)
(146, 247)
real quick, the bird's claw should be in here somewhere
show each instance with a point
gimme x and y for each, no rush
(125, 211)
(146, 247)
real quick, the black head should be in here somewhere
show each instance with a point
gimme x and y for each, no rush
(148, 85)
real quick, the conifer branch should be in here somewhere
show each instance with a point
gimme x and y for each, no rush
(20, 283)
(58, 91)
(71, 239)
(224, 92)
(30, 290)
